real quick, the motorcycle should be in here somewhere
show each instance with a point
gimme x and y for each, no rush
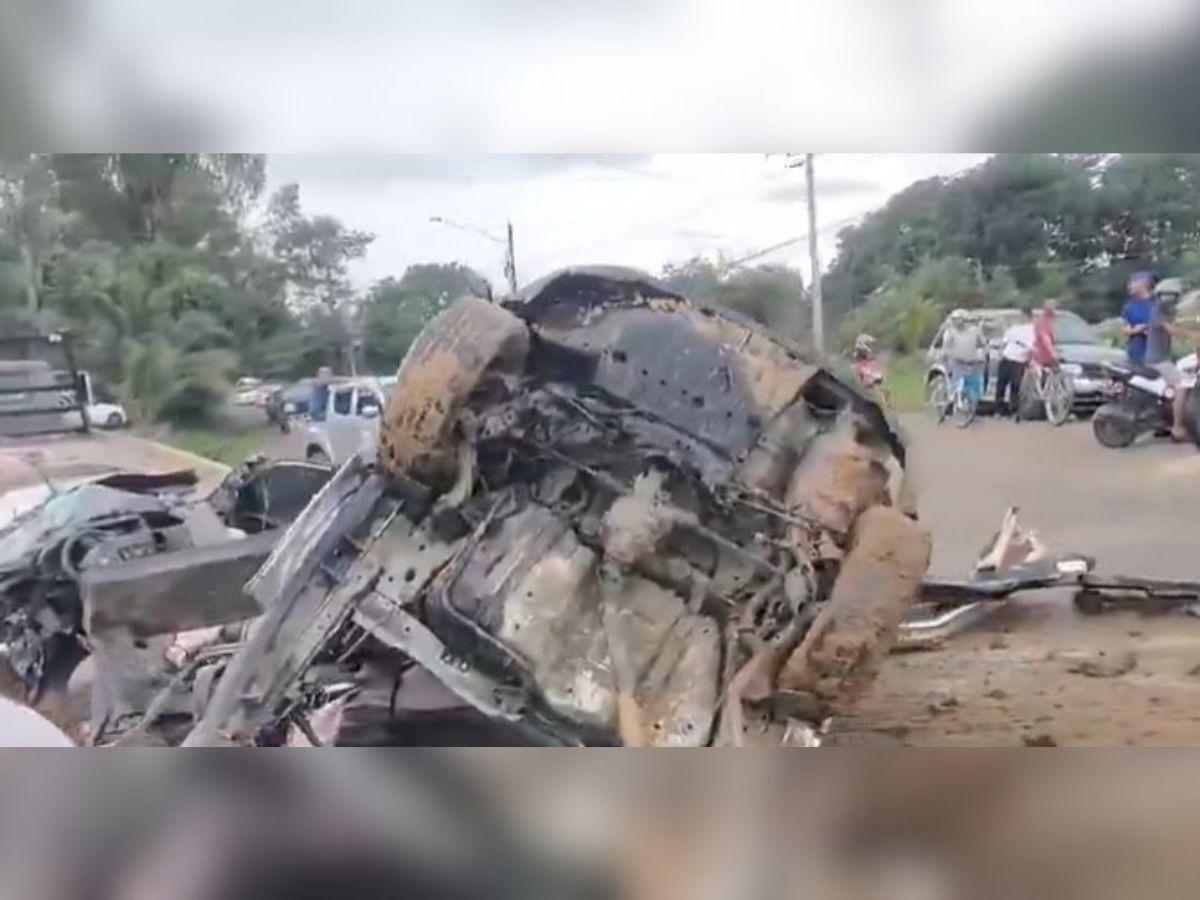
(1141, 402)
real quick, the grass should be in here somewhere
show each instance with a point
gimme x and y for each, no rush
(905, 380)
(229, 447)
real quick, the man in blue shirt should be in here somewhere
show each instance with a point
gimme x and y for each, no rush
(1137, 313)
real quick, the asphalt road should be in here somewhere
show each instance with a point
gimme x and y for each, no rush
(1011, 681)
(1135, 510)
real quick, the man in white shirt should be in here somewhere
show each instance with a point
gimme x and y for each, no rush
(1018, 343)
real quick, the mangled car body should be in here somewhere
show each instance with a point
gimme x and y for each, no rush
(101, 579)
(600, 515)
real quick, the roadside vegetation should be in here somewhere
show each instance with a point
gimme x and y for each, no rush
(176, 274)
(1013, 231)
(904, 378)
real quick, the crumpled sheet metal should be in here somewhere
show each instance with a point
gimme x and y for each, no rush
(66, 512)
(839, 477)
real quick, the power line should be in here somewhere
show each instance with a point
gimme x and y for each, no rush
(764, 251)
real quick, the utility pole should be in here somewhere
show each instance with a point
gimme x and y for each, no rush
(818, 314)
(510, 262)
(510, 253)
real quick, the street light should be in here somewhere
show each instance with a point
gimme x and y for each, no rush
(510, 256)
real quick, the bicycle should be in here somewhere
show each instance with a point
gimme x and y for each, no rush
(965, 398)
(1052, 389)
(938, 396)
(959, 400)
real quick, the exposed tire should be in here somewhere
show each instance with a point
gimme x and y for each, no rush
(1029, 405)
(448, 362)
(964, 410)
(114, 420)
(1058, 400)
(1112, 427)
(937, 396)
(1191, 416)
(319, 456)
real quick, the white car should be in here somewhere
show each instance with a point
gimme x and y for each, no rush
(107, 415)
(350, 423)
(101, 413)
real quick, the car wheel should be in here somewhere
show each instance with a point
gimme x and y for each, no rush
(318, 456)
(1029, 404)
(114, 420)
(451, 360)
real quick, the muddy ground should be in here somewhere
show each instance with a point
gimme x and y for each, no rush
(1040, 672)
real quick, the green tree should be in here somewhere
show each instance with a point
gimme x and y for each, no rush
(395, 310)
(30, 223)
(772, 295)
(315, 253)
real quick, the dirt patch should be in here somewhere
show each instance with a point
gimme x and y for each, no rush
(1103, 666)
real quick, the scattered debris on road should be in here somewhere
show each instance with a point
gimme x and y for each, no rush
(1104, 666)
(1039, 740)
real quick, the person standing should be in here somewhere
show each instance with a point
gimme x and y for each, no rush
(1014, 357)
(1159, 331)
(1137, 312)
(1044, 352)
(964, 347)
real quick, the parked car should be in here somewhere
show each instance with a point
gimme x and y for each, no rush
(1084, 356)
(253, 391)
(103, 409)
(289, 402)
(350, 423)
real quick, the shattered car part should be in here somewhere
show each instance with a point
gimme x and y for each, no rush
(1100, 593)
(114, 568)
(602, 514)
(1014, 560)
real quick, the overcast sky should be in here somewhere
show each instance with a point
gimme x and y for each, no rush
(639, 210)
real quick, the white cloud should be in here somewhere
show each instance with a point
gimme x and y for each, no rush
(642, 210)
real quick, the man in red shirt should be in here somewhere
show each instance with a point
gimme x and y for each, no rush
(1044, 352)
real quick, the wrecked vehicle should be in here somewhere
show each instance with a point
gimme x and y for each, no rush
(110, 550)
(600, 514)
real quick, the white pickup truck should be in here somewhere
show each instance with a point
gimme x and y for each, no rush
(350, 423)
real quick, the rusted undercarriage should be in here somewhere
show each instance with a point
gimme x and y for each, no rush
(601, 515)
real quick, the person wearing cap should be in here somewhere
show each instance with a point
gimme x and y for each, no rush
(964, 346)
(1137, 312)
